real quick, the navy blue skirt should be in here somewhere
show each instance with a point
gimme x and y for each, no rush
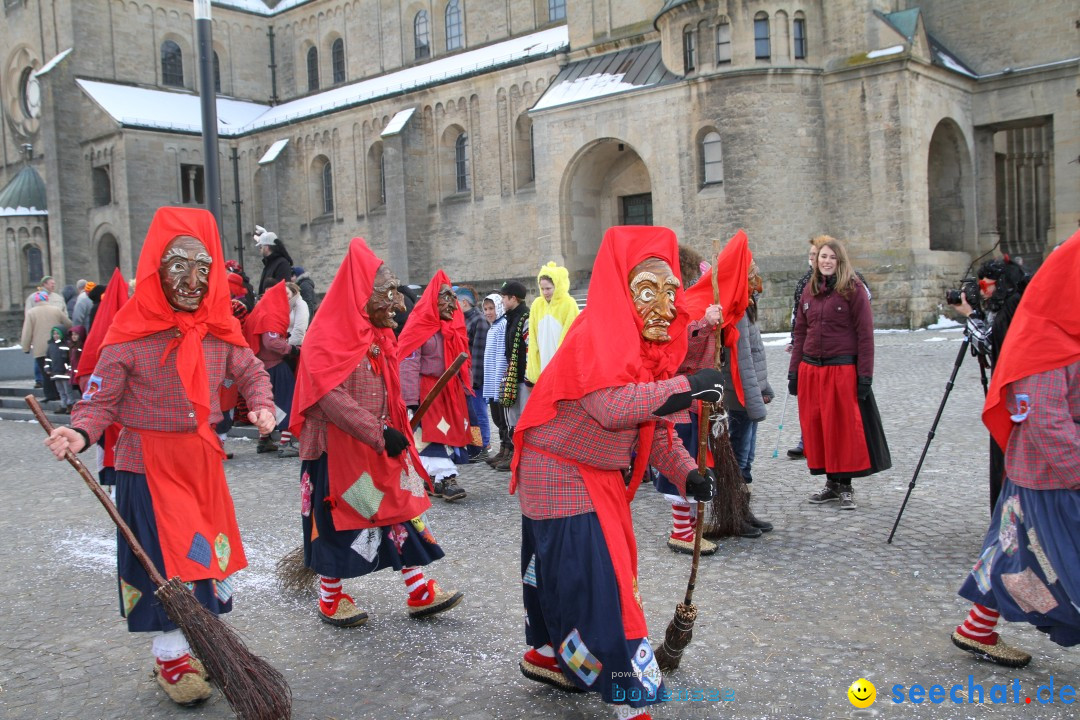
(282, 382)
(1029, 569)
(137, 602)
(352, 553)
(572, 603)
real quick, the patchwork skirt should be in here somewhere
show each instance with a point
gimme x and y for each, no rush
(572, 603)
(1029, 568)
(352, 553)
(143, 611)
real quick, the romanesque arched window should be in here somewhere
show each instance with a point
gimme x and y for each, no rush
(327, 189)
(723, 42)
(172, 64)
(762, 45)
(712, 159)
(461, 163)
(337, 58)
(312, 69)
(217, 73)
(454, 29)
(422, 35)
(799, 28)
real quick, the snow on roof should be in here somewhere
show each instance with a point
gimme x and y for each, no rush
(273, 151)
(885, 51)
(443, 69)
(53, 63)
(180, 111)
(397, 123)
(167, 110)
(258, 7)
(9, 212)
(634, 68)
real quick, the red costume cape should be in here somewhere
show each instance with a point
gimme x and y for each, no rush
(1044, 333)
(271, 314)
(449, 405)
(339, 338)
(116, 294)
(599, 352)
(184, 470)
(732, 266)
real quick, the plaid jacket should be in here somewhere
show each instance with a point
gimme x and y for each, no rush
(1044, 448)
(477, 326)
(599, 430)
(428, 359)
(131, 386)
(357, 406)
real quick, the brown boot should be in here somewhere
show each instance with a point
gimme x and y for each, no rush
(498, 457)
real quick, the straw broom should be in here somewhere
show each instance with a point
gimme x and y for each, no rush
(681, 628)
(254, 689)
(730, 503)
(292, 573)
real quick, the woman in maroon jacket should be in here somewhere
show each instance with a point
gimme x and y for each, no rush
(832, 361)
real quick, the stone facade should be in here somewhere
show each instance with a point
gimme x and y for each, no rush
(921, 134)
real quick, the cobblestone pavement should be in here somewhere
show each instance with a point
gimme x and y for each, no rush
(787, 622)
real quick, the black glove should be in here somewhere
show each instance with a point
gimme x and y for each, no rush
(395, 441)
(700, 487)
(707, 385)
(793, 383)
(863, 388)
(294, 351)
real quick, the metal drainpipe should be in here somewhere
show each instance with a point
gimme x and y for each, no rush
(235, 157)
(273, 69)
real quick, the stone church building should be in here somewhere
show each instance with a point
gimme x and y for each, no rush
(487, 137)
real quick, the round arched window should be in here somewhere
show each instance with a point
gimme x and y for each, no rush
(29, 94)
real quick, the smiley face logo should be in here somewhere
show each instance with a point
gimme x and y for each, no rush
(862, 693)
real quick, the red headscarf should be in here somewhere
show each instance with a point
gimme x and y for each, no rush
(340, 336)
(424, 321)
(598, 351)
(732, 267)
(271, 314)
(1044, 333)
(116, 294)
(149, 312)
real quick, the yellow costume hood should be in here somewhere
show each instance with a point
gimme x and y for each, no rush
(549, 321)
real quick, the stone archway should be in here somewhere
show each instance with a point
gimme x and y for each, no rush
(108, 253)
(607, 183)
(950, 189)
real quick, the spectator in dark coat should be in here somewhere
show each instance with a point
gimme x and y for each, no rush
(95, 296)
(277, 263)
(307, 288)
(477, 327)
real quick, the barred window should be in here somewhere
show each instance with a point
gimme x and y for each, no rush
(453, 26)
(461, 162)
(422, 35)
(172, 64)
(312, 69)
(328, 189)
(337, 57)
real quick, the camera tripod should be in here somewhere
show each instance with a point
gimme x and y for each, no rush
(933, 428)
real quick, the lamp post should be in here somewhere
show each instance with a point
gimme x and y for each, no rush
(208, 101)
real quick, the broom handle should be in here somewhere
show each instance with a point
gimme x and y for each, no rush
(699, 526)
(444, 379)
(102, 496)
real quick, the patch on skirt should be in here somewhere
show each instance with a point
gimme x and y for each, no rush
(223, 589)
(367, 542)
(577, 657)
(1011, 516)
(305, 495)
(529, 578)
(420, 525)
(1040, 555)
(223, 550)
(648, 671)
(131, 595)
(981, 571)
(411, 480)
(364, 497)
(398, 535)
(200, 550)
(1029, 592)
